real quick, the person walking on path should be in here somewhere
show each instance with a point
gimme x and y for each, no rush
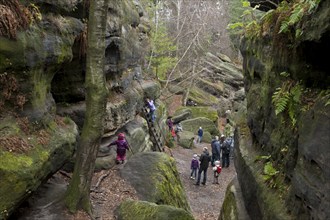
(225, 148)
(204, 164)
(152, 109)
(194, 167)
(216, 172)
(122, 146)
(215, 145)
(199, 135)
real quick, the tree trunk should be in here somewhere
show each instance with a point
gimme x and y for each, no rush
(78, 193)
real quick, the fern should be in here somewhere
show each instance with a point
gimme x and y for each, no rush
(280, 99)
(284, 27)
(288, 99)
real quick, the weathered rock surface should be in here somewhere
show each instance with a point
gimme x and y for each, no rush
(142, 210)
(194, 123)
(283, 169)
(22, 174)
(156, 179)
(233, 207)
(137, 135)
(47, 64)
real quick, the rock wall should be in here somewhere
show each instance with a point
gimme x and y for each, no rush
(282, 164)
(42, 73)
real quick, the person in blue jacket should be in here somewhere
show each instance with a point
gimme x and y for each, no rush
(200, 135)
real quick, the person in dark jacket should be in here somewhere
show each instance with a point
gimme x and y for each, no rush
(194, 167)
(199, 135)
(215, 144)
(122, 146)
(225, 148)
(204, 164)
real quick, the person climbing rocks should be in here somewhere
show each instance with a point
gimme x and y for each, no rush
(194, 166)
(216, 172)
(215, 145)
(225, 148)
(204, 164)
(199, 135)
(170, 123)
(152, 109)
(122, 146)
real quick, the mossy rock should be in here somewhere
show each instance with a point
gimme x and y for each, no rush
(142, 210)
(207, 137)
(22, 173)
(233, 205)
(202, 97)
(151, 89)
(200, 111)
(157, 171)
(216, 89)
(207, 125)
(182, 114)
(186, 139)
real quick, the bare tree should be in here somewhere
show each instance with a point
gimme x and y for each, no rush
(197, 27)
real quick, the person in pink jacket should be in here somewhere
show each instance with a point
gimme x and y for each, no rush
(122, 146)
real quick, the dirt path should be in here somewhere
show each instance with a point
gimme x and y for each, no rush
(205, 201)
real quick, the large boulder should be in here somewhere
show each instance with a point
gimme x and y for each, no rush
(197, 111)
(181, 114)
(194, 123)
(142, 210)
(186, 139)
(24, 167)
(156, 179)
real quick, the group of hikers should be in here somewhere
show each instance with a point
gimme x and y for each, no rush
(221, 148)
(224, 147)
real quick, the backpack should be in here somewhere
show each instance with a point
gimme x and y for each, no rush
(219, 169)
(226, 147)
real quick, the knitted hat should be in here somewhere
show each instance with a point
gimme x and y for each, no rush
(121, 136)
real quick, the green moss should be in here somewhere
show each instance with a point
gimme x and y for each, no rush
(169, 186)
(196, 112)
(201, 97)
(229, 207)
(131, 210)
(12, 162)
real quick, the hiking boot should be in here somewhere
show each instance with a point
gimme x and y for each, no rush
(197, 184)
(203, 184)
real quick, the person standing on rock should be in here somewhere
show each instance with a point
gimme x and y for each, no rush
(204, 164)
(122, 146)
(199, 135)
